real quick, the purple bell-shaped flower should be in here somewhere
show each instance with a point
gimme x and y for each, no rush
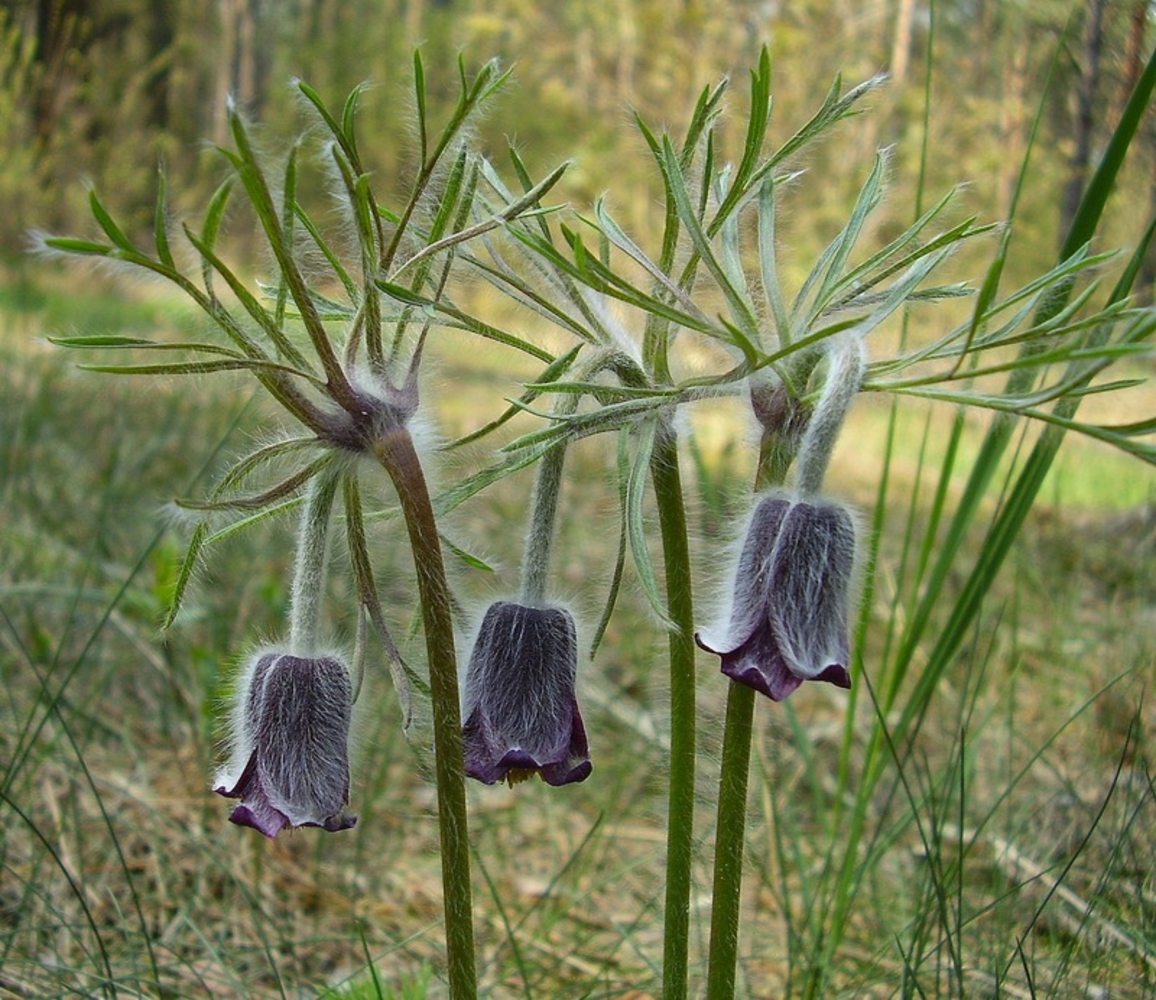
(791, 597)
(521, 712)
(290, 760)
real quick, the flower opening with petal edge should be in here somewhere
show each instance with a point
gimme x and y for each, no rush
(791, 598)
(290, 760)
(521, 712)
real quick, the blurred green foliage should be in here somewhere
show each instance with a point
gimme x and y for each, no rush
(96, 91)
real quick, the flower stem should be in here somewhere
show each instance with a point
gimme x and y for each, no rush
(846, 363)
(543, 508)
(775, 455)
(680, 815)
(395, 451)
(309, 568)
(728, 851)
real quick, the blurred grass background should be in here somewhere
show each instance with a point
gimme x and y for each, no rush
(119, 874)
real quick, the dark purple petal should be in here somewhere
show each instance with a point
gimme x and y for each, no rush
(753, 576)
(260, 816)
(836, 674)
(255, 809)
(758, 664)
(810, 588)
(521, 712)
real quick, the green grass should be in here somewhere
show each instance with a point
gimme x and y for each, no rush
(1006, 847)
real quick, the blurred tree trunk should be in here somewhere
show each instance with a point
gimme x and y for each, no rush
(901, 43)
(240, 62)
(62, 29)
(1084, 125)
(414, 17)
(1133, 65)
(161, 35)
(1134, 53)
(1013, 121)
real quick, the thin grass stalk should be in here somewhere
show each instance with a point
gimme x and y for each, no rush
(397, 455)
(667, 482)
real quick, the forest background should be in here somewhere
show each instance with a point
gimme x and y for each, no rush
(108, 794)
(96, 90)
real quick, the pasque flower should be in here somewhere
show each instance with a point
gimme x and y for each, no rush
(290, 759)
(521, 712)
(791, 598)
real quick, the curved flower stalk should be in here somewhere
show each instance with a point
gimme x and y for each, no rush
(521, 711)
(790, 603)
(289, 764)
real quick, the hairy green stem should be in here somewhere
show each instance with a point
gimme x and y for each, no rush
(680, 815)
(543, 508)
(728, 850)
(309, 568)
(847, 360)
(775, 454)
(395, 451)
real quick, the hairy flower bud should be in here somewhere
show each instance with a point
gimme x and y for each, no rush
(290, 760)
(791, 598)
(521, 712)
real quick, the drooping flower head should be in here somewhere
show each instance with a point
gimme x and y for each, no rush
(290, 760)
(791, 598)
(521, 712)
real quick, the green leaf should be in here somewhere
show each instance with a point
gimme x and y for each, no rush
(161, 223)
(772, 289)
(264, 319)
(274, 494)
(111, 229)
(241, 524)
(447, 500)
(554, 370)
(468, 558)
(71, 244)
(102, 340)
(215, 213)
(122, 343)
(419, 100)
(467, 322)
(185, 574)
(314, 98)
(199, 368)
(623, 544)
(758, 119)
(331, 257)
(253, 461)
(211, 228)
(742, 310)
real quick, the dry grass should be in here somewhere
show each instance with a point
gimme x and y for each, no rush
(1029, 795)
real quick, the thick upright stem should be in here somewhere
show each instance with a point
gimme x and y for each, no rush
(728, 851)
(680, 816)
(775, 455)
(395, 451)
